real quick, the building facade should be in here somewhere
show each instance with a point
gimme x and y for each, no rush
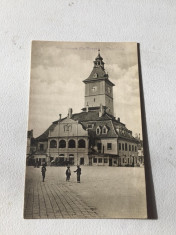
(93, 136)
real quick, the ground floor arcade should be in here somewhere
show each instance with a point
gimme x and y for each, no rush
(91, 159)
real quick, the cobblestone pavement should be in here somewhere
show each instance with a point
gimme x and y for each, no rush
(53, 200)
(104, 192)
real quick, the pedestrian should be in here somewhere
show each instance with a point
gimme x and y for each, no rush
(78, 171)
(68, 173)
(43, 170)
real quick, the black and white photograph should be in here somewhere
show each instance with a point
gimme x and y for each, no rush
(85, 155)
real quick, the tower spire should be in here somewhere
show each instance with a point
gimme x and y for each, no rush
(99, 61)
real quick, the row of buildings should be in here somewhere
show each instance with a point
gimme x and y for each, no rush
(93, 136)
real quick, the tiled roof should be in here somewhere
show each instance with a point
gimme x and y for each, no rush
(92, 117)
(111, 133)
(44, 136)
(123, 132)
(100, 74)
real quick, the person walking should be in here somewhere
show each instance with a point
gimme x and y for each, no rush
(78, 171)
(43, 170)
(68, 173)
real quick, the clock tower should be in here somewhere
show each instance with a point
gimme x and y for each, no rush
(98, 88)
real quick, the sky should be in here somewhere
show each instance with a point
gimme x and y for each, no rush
(57, 72)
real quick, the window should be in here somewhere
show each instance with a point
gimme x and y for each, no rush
(125, 146)
(62, 144)
(109, 146)
(135, 149)
(53, 144)
(89, 126)
(95, 160)
(104, 130)
(94, 99)
(105, 160)
(132, 147)
(129, 147)
(71, 144)
(41, 147)
(95, 75)
(81, 143)
(99, 160)
(122, 146)
(98, 130)
(119, 146)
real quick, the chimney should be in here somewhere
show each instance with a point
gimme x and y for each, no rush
(70, 112)
(60, 116)
(101, 112)
(118, 119)
(87, 108)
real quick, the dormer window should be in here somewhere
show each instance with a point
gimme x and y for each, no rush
(95, 75)
(89, 126)
(104, 130)
(98, 130)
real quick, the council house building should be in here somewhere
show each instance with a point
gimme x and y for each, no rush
(92, 137)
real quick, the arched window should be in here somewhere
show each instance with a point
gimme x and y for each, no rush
(81, 143)
(62, 144)
(53, 144)
(71, 144)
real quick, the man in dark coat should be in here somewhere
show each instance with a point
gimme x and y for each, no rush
(43, 170)
(78, 174)
(68, 173)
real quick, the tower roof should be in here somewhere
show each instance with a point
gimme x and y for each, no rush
(99, 56)
(98, 72)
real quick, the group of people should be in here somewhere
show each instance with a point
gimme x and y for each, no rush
(68, 173)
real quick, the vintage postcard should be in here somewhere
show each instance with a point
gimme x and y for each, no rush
(85, 156)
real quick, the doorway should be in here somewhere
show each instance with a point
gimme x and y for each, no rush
(81, 161)
(110, 161)
(90, 161)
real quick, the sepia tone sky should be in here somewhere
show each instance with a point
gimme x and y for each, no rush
(57, 72)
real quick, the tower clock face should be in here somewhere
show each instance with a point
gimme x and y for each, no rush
(94, 88)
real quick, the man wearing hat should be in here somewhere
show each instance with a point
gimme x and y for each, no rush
(78, 173)
(68, 173)
(43, 170)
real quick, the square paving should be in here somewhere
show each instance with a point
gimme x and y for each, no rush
(104, 192)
